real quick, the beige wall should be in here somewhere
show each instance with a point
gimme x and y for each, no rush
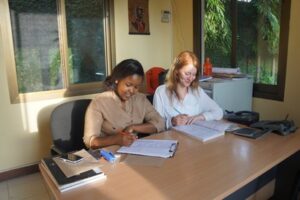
(150, 50)
(24, 129)
(182, 25)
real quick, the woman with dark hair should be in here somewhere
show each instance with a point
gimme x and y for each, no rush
(181, 101)
(114, 116)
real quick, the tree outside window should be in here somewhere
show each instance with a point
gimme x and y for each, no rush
(249, 34)
(59, 45)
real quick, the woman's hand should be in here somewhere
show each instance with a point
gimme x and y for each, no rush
(125, 139)
(179, 120)
(130, 129)
(193, 119)
(127, 136)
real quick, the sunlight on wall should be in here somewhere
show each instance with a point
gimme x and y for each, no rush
(25, 120)
(30, 112)
(182, 26)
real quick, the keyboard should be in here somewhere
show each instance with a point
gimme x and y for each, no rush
(250, 132)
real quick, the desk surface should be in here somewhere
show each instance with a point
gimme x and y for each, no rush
(210, 170)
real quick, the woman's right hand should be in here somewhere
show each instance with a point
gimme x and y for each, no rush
(179, 120)
(126, 138)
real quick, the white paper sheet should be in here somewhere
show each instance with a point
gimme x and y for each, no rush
(157, 148)
(226, 70)
(70, 169)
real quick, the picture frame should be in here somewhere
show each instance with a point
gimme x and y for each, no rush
(138, 17)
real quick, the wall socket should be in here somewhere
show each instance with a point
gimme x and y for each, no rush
(165, 16)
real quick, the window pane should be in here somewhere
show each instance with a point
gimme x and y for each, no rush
(86, 40)
(217, 32)
(258, 39)
(36, 49)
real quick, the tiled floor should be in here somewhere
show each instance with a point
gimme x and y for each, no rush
(30, 187)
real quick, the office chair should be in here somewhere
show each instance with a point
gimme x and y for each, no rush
(67, 126)
(152, 79)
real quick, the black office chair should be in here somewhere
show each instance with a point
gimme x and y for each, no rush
(161, 80)
(67, 126)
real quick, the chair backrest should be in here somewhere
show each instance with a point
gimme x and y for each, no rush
(67, 125)
(152, 79)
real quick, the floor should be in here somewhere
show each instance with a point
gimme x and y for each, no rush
(30, 187)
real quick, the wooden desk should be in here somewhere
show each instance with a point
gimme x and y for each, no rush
(210, 170)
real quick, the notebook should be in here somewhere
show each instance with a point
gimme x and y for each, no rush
(206, 130)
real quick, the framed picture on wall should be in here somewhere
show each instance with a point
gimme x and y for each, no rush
(138, 17)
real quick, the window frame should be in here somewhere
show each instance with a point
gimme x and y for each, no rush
(68, 89)
(273, 92)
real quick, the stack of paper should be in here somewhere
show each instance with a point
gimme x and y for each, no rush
(219, 72)
(67, 175)
(157, 148)
(205, 78)
(224, 70)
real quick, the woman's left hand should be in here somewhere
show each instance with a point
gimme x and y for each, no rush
(130, 129)
(193, 119)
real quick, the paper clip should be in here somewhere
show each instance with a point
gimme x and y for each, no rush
(173, 147)
(109, 156)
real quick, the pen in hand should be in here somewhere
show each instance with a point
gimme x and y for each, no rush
(126, 133)
(127, 138)
(180, 119)
(177, 111)
(180, 113)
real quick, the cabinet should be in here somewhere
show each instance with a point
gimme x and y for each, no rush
(230, 94)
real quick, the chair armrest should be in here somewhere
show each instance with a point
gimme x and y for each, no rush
(56, 151)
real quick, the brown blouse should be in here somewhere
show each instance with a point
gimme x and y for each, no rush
(105, 115)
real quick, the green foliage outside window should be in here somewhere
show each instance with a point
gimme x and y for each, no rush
(28, 70)
(217, 26)
(257, 39)
(37, 41)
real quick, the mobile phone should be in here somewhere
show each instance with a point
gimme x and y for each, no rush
(95, 153)
(71, 158)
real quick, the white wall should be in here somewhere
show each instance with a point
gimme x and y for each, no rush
(24, 128)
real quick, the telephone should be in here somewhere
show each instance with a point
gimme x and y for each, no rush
(242, 117)
(281, 127)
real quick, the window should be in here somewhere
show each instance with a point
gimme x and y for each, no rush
(248, 34)
(58, 47)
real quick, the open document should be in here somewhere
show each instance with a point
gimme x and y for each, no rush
(157, 148)
(206, 130)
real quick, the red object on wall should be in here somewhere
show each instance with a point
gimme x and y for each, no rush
(152, 79)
